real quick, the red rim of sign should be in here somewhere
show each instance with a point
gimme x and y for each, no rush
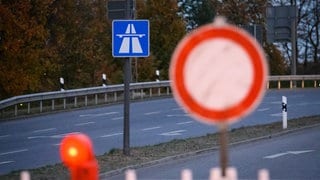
(256, 57)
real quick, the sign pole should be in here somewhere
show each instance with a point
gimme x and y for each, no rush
(126, 109)
(294, 49)
(223, 148)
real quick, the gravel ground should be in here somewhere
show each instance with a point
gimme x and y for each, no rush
(114, 161)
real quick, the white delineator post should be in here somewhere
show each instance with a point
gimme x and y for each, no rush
(158, 75)
(231, 174)
(104, 80)
(130, 175)
(61, 84)
(25, 175)
(284, 112)
(186, 174)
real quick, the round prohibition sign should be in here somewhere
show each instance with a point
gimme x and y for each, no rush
(218, 73)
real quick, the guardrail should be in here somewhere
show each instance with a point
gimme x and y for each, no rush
(69, 99)
(300, 81)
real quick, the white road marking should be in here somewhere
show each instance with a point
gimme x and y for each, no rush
(63, 135)
(117, 118)
(38, 137)
(58, 144)
(177, 109)
(111, 135)
(300, 152)
(276, 115)
(6, 162)
(287, 153)
(44, 130)
(13, 152)
(4, 136)
(177, 115)
(187, 122)
(263, 109)
(173, 133)
(97, 115)
(275, 102)
(58, 136)
(151, 128)
(304, 104)
(275, 155)
(299, 96)
(84, 124)
(151, 113)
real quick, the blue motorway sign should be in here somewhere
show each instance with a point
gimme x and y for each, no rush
(130, 38)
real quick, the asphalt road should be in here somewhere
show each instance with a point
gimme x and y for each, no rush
(34, 142)
(291, 156)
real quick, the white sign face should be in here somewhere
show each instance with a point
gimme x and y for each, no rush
(222, 73)
(218, 73)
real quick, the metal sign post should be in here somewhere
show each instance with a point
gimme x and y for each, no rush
(130, 38)
(294, 49)
(223, 148)
(126, 109)
(282, 27)
(122, 9)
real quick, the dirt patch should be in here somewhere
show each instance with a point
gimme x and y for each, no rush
(139, 156)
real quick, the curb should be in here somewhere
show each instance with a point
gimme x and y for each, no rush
(193, 153)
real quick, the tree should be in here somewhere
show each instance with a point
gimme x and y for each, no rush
(308, 33)
(79, 37)
(166, 29)
(277, 66)
(243, 12)
(187, 11)
(196, 12)
(252, 12)
(23, 38)
(312, 22)
(206, 12)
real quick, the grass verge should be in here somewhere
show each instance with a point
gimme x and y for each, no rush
(114, 161)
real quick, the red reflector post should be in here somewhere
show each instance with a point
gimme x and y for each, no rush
(76, 153)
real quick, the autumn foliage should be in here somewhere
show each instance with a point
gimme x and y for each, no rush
(43, 40)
